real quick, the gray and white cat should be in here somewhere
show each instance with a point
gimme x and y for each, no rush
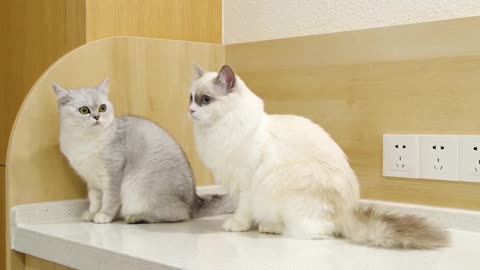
(132, 167)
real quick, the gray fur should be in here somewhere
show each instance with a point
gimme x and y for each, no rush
(133, 168)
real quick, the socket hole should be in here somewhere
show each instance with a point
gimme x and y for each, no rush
(404, 146)
(400, 158)
(434, 147)
(396, 146)
(442, 147)
(475, 148)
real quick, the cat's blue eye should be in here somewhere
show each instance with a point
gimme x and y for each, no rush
(84, 110)
(206, 99)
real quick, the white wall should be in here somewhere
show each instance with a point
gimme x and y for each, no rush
(253, 20)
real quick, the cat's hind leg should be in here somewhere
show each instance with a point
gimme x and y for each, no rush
(173, 210)
(169, 209)
(135, 218)
(273, 228)
(308, 219)
(154, 201)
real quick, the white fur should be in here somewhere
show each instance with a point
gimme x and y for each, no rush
(82, 140)
(83, 151)
(286, 172)
(84, 155)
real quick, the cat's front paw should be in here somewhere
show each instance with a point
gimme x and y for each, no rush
(236, 225)
(102, 218)
(87, 216)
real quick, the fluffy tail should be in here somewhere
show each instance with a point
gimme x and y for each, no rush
(212, 205)
(374, 227)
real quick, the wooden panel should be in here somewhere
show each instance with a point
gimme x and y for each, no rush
(75, 24)
(4, 131)
(15, 260)
(149, 77)
(2, 220)
(34, 263)
(359, 85)
(170, 19)
(397, 43)
(35, 35)
(39, 32)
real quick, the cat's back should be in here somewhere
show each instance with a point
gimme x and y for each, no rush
(151, 153)
(294, 127)
(141, 135)
(132, 124)
(300, 135)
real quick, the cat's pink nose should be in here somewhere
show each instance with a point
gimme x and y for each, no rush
(191, 110)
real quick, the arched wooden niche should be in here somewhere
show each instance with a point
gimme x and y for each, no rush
(148, 77)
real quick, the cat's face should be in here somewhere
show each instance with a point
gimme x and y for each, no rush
(85, 108)
(209, 93)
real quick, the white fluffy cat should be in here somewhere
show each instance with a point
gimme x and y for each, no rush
(286, 173)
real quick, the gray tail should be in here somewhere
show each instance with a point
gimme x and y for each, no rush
(213, 205)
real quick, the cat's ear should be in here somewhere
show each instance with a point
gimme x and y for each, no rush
(62, 94)
(103, 86)
(197, 72)
(226, 78)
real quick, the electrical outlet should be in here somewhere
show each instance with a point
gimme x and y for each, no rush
(400, 155)
(439, 157)
(470, 158)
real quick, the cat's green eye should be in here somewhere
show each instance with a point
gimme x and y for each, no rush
(102, 108)
(84, 110)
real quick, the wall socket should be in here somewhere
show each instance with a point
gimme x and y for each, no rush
(400, 155)
(439, 157)
(470, 158)
(443, 157)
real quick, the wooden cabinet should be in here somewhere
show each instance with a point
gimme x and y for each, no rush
(35, 34)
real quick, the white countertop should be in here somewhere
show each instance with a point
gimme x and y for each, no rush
(200, 244)
(51, 231)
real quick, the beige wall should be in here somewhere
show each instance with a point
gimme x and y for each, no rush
(253, 20)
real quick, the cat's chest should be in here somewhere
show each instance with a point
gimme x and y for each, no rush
(88, 161)
(232, 161)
